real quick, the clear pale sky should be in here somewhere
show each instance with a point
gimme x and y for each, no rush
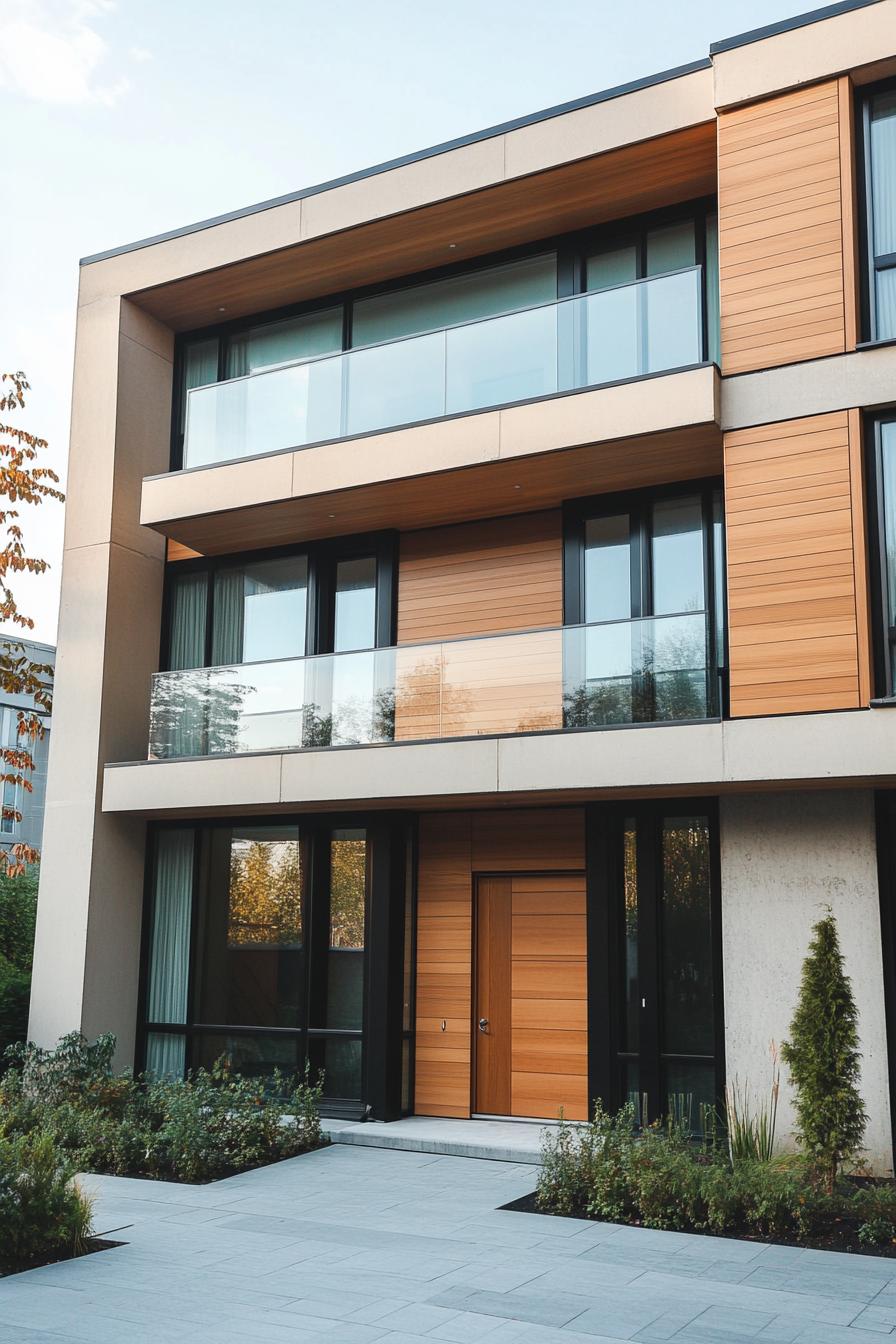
(124, 120)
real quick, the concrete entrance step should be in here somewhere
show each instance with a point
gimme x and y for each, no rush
(497, 1140)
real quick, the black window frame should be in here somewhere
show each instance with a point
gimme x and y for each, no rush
(638, 503)
(883, 638)
(870, 263)
(391, 846)
(605, 824)
(572, 248)
(323, 557)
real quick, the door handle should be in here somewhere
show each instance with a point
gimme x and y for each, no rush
(483, 1024)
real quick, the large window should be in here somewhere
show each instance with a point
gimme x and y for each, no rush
(328, 598)
(882, 479)
(879, 126)
(630, 331)
(644, 575)
(656, 992)
(256, 949)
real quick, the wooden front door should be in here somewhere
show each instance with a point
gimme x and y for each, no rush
(530, 1026)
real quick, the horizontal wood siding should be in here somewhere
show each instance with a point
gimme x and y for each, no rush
(784, 210)
(453, 847)
(549, 1001)
(798, 624)
(481, 578)
(476, 579)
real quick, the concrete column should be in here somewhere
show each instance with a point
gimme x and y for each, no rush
(785, 856)
(90, 900)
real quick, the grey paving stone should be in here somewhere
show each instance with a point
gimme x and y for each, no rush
(354, 1245)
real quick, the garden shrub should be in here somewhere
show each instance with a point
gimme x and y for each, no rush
(43, 1213)
(212, 1124)
(661, 1177)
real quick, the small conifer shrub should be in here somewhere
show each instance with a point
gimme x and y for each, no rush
(823, 1058)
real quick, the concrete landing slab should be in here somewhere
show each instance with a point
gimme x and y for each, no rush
(494, 1140)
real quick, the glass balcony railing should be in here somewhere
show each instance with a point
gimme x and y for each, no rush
(643, 671)
(649, 326)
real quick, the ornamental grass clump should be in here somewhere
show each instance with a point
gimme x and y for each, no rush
(824, 1060)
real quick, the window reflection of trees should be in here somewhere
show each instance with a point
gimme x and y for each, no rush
(265, 894)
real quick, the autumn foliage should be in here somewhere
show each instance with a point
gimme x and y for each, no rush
(22, 481)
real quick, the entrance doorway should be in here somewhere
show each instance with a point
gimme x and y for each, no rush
(531, 1004)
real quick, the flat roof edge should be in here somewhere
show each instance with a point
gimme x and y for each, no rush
(517, 123)
(788, 25)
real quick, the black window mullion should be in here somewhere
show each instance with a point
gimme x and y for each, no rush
(649, 1033)
(711, 656)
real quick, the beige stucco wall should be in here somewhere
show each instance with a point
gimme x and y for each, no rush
(785, 857)
(89, 906)
(848, 748)
(603, 415)
(812, 52)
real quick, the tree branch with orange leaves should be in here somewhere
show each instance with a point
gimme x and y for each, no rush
(22, 481)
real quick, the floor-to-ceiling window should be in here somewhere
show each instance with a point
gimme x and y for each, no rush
(879, 129)
(644, 589)
(258, 614)
(655, 992)
(256, 948)
(881, 442)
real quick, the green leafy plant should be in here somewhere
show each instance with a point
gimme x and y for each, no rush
(877, 1232)
(823, 1058)
(43, 1213)
(211, 1124)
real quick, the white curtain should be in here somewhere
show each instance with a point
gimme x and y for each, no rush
(169, 954)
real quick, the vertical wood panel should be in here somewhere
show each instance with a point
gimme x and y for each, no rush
(797, 587)
(444, 966)
(785, 225)
(493, 995)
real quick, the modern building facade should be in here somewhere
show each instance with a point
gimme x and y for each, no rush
(28, 803)
(476, 661)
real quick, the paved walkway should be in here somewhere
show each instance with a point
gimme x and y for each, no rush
(350, 1245)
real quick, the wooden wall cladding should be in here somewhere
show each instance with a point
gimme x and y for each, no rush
(452, 847)
(797, 584)
(481, 578)
(444, 966)
(786, 234)
(549, 997)
(476, 579)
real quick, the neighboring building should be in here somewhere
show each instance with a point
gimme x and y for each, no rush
(524, 609)
(30, 804)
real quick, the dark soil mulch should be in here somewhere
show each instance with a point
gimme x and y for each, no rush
(843, 1236)
(91, 1246)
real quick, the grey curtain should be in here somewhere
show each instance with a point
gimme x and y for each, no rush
(169, 953)
(165, 1055)
(227, 631)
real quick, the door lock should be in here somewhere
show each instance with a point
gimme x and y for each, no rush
(483, 1024)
